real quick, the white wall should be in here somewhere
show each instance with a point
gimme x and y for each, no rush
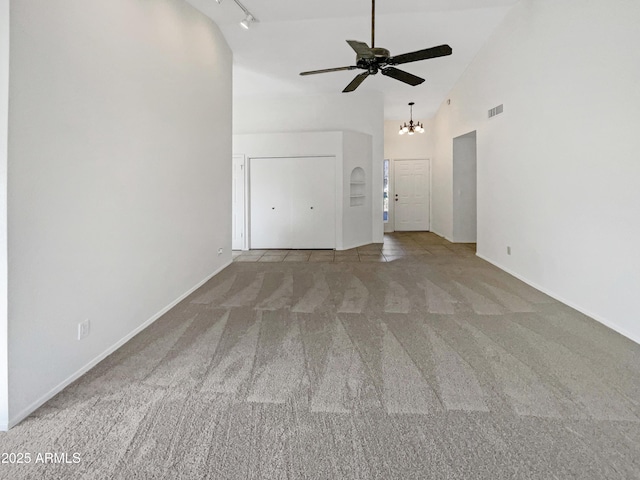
(558, 171)
(407, 147)
(442, 173)
(358, 112)
(119, 177)
(356, 220)
(464, 208)
(4, 124)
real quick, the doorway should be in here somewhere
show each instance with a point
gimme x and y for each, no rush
(465, 210)
(412, 196)
(238, 204)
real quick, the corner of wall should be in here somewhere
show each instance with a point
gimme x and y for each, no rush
(4, 130)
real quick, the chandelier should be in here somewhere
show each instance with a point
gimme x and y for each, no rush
(411, 128)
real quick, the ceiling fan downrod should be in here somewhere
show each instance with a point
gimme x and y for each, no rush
(373, 23)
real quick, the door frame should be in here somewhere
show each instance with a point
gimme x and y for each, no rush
(455, 184)
(392, 189)
(242, 160)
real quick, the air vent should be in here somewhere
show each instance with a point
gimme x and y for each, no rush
(496, 111)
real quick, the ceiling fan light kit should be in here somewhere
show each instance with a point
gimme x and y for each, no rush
(374, 60)
(412, 127)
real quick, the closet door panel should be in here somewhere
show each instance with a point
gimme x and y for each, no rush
(314, 202)
(271, 202)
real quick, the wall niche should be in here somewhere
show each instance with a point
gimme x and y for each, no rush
(358, 187)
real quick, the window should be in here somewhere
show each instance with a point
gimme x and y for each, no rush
(385, 191)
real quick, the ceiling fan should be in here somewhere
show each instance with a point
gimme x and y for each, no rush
(375, 60)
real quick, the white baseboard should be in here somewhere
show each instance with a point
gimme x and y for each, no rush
(596, 317)
(354, 245)
(15, 419)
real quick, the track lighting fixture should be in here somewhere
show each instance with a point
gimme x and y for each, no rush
(411, 128)
(249, 18)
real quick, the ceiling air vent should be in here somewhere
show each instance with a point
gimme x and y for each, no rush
(496, 111)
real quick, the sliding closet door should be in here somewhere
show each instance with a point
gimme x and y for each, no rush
(270, 187)
(314, 202)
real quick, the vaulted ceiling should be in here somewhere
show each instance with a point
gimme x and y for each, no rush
(297, 35)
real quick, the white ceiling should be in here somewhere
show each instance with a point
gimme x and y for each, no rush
(292, 36)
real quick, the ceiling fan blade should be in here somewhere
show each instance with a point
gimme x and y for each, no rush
(355, 83)
(327, 70)
(402, 76)
(434, 52)
(361, 48)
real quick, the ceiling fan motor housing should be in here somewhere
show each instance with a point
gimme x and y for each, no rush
(373, 64)
(381, 52)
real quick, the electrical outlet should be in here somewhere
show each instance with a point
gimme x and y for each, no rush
(508, 250)
(83, 329)
(219, 251)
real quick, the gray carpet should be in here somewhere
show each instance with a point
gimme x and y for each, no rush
(434, 366)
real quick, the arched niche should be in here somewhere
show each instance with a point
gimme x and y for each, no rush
(357, 187)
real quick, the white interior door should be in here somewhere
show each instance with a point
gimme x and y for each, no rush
(270, 186)
(237, 203)
(411, 195)
(314, 202)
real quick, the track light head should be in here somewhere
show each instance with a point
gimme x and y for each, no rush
(248, 20)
